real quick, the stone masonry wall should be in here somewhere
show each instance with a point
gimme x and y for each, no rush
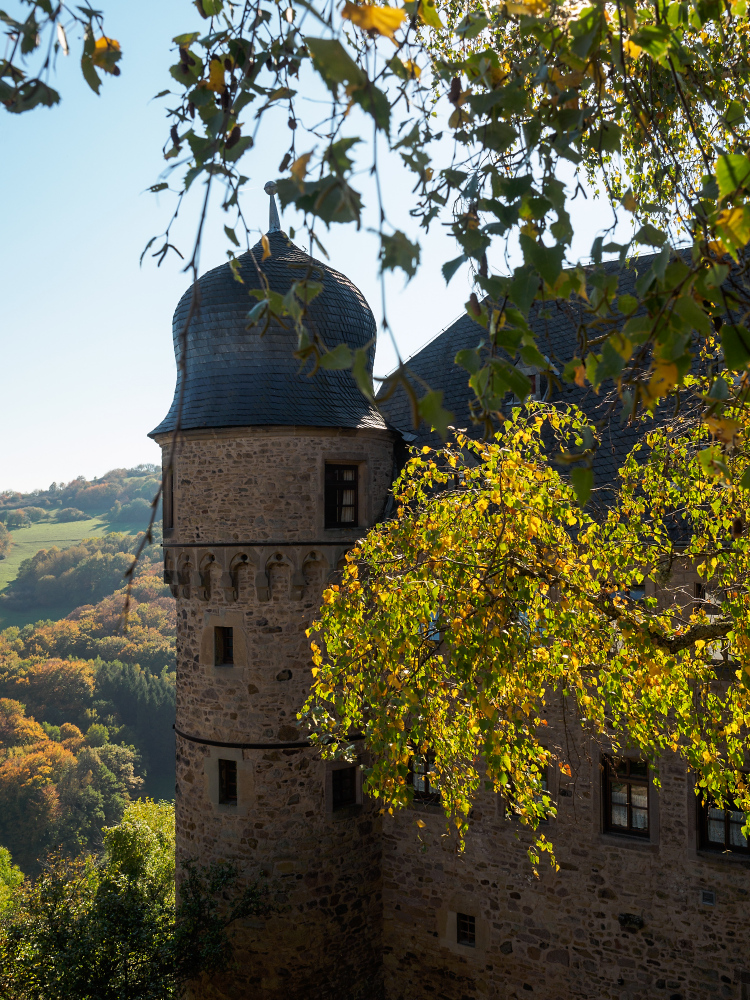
(622, 919)
(251, 489)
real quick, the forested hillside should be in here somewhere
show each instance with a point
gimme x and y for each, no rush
(86, 697)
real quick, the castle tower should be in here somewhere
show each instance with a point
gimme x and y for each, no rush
(276, 474)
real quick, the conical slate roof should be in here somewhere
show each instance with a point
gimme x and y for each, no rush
(237, 378)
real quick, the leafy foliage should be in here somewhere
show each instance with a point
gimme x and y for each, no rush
(460, 626)
(82, 573)
(108, 928)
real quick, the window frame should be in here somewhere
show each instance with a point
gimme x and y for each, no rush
(167, 500)
(221, 644)
(333, 489)
(227, 782)
(466, 930)
(712, 846)
(611, 777)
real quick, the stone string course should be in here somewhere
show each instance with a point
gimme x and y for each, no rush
(364, 907)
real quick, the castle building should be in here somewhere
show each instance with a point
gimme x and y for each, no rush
(274, 477)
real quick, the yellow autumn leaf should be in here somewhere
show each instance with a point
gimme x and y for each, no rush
(299, 168)
(106, 53)
(532, 8)
(369, 17)
(216, 76)
(266, 255)
(733, 226)
(631, 49)
(628, 201)
(663, 378)
(723, 428)
(420, 823)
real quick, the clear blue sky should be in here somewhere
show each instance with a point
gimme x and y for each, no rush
(87, 363)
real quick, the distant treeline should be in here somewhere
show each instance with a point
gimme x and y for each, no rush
(123, 495)
(80, 574)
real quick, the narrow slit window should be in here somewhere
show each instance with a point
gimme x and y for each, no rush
(228, 782)
(466, 930)
(344, 782)
(223, 646)
(167, 500)
(341, 496)
(626, 807)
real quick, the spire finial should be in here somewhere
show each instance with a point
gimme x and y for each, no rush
(274, 226)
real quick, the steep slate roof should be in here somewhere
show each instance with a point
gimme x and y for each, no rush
(237, 378)
(556, 338)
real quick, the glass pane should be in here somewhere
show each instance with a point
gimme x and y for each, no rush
(640, 819)
(619, 766)
(639, 768)
(716, 825)
(736, 822)
(639, 796)
(348, 475)
(619, 800)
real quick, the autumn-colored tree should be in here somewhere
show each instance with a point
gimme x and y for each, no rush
(15, 728)
(491, 598)
(54, 690)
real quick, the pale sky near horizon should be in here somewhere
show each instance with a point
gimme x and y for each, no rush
(87, 362)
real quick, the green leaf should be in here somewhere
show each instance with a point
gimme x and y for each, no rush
(471, 26)
(451, 266)
(732, 172)
(653, 38)
(745, 481)
(339, 358)
(735, 344)
(361, 373)
(231, 235)
(470, 360)
(432, 412)
(515, 380)
(688, 309)
(89, 73)
(583, 480)
(650, 236)
(399, 251)
(546, 260)
(334, 63)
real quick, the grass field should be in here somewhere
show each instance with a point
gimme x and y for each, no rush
(44, 535)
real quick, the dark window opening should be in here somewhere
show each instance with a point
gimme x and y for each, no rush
(626, 796)
(344, 781)
(341, 496)
(223, 646)
(721, 829)
(167, 500)
(466, 930)
(700, 603)
(228, 782)
(423, 782)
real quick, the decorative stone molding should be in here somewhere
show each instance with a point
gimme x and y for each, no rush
(212, 572)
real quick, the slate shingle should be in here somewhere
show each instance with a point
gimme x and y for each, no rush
(236, 378)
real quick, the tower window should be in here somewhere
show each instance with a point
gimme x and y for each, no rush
(228, 782)
(223, 646)
(466, 930)
(344, 782)
(341, 496)
(626, 796)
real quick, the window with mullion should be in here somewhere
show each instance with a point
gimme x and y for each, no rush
(341, 496)
(721, 829)
(626, 807)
